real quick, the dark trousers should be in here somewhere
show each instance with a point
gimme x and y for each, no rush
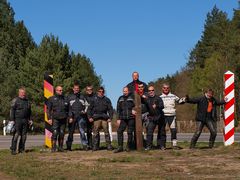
(58, 128)
(171, 121)
(21, 126)
(89, 134)
(150, 130)
(210, 124)
(71, 130)
(130, 124)
(161, 137)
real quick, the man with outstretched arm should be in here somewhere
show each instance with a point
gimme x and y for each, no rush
(206, 116)
(169, 110)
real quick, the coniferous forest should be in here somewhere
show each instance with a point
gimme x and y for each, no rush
(23, 63)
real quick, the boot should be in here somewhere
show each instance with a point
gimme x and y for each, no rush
(192, 145)
(69, 146)
(60, 148)
(119, 149)
(54, 146)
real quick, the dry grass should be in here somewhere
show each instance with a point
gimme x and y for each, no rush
(202, 163)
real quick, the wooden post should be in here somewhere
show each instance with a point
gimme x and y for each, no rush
(138, 122)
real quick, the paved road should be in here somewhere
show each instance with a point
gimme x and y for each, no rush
(38, 140)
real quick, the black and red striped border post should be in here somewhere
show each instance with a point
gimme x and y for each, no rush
(48, 92)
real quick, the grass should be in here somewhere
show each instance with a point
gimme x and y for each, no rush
(202, 163)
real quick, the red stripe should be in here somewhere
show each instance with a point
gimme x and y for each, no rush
(48, 86)
(45, 108)
(48, 134)
(227, 76)
(229, 104)
(229, 89)
(229, 119)
(229, 134)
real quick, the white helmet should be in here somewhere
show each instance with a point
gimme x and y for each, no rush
(10, 127)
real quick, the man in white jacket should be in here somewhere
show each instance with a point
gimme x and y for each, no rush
(169, 101)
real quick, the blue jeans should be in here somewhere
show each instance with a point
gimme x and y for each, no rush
(82, 124)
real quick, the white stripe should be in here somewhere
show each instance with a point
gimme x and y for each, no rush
(229, 127)
(230, 141)
(229, 112)
(229, 81)
(230, 95)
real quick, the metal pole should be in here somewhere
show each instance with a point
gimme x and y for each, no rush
(4, 127)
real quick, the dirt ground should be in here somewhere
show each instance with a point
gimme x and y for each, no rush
(201, 163)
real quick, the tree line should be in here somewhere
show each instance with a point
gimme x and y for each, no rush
(217, 51)
(23, 63)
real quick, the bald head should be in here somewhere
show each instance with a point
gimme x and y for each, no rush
(135, 76)
(59, 90)
(22, 92)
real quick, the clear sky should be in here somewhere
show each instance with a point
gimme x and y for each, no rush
(153, 37)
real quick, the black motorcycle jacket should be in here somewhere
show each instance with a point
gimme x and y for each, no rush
(101, 108)
(57, 107)
(20, 109)
(77, 105)
(125, 105)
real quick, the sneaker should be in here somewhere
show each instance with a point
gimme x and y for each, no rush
(148, 148)
(118, 150)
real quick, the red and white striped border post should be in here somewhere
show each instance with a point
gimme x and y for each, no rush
(229, 109)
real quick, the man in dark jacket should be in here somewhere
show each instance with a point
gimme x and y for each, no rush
(155, 117)
(77, 111)
(206, 116)
(20, 113)
(89, 96)
(57, 112)
(100, 112)
(126, 118)
(133, 86)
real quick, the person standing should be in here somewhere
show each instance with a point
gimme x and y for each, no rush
(89, 96)
(100, 112)
(125, 118)
(20, 114)
(57, 113)
(155, 117)
(133, 86)
(206, 116)
(76, 115)
(169, 110)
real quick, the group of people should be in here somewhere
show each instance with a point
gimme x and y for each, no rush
(92, 112)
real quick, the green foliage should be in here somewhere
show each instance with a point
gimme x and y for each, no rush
(216, 52)
(23, 63)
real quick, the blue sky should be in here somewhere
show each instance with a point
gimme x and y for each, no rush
(153, 37)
